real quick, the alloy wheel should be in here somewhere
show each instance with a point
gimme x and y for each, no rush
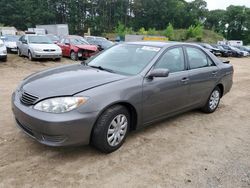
(117, 130)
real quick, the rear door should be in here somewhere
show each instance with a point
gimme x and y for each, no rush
(163, 96)
(202, 73)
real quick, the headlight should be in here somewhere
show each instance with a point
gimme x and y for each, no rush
(60, 104)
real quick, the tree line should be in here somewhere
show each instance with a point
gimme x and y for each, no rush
(104, 16)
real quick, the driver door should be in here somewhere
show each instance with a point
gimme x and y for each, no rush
(167, 95)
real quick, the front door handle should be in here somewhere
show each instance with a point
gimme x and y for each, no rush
(214, 72)
(184, 80)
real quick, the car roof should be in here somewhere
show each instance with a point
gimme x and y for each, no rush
(72, 36)
(161, 44)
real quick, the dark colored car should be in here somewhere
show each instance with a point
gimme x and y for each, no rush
(213, 50)
(235, 52)
(101, 42)
(77, 47)
(243, 48)
(224, 52)
(127, 87)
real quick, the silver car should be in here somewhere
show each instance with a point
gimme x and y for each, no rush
(37, 47)
(127, 87)
(3, 51)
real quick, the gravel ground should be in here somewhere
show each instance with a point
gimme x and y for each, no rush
(190, 150)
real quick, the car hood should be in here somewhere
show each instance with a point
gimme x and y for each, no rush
(67, 81)
(87, 47)
(10, 44)
(45, 46)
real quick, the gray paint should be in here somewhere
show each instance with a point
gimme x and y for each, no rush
(152, 99)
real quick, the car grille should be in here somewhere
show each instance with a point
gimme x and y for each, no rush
(28, 99)
(55, 139)
(49, 50)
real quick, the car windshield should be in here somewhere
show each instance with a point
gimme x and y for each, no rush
(13, 38)
(125, 59)
(39, 40)
(78, 41)
(53, 37)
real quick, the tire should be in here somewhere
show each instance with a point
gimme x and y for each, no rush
(19, 52)
(30, 56)
(57, 59)
(105, 136)
(213, 101)
(73, 56)
(4, 59)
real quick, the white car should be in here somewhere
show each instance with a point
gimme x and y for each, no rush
(38, 47)
(10, 42)
(3, 51)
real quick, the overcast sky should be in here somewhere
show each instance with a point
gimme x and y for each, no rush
(223, 4)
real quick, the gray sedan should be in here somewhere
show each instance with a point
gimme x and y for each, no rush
(127, 87)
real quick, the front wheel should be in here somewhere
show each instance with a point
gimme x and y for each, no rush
(213, 101)
(19, 52)
(73, 56)
(30, 56)
(111, 129)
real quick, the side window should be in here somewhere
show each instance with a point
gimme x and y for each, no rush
(173, 60)
(66, 41)
(62, 41)
(210, 62)
(21, 39)
(198, 59)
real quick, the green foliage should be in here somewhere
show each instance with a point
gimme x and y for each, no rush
(120, 29)
(142, 31)
(195, 32)
(152, 31)
(169, 32)
(123, 15)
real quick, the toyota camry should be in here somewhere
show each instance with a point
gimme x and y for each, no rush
(125, 88)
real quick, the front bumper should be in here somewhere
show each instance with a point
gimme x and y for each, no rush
(12, 49)
(3, 56)
(72, 128)
(46, 55)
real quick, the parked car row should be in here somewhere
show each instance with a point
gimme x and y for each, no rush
(36, 46)
(226, 50)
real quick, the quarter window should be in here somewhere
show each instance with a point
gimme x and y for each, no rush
(173, 60)
(197, 58)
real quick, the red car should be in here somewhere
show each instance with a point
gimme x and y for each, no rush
(77, 47)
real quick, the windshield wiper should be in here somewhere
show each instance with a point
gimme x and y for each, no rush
(101, 68)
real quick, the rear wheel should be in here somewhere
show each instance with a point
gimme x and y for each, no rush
(111, 129)
(213, 101)
(73, 56)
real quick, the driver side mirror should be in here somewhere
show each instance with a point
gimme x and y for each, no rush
(24, 42)
(160, 73)
(67, 44)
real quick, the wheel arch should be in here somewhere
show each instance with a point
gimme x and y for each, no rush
(221, 87)
(131, 109)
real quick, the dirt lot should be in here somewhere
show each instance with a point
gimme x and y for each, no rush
(191, 150)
